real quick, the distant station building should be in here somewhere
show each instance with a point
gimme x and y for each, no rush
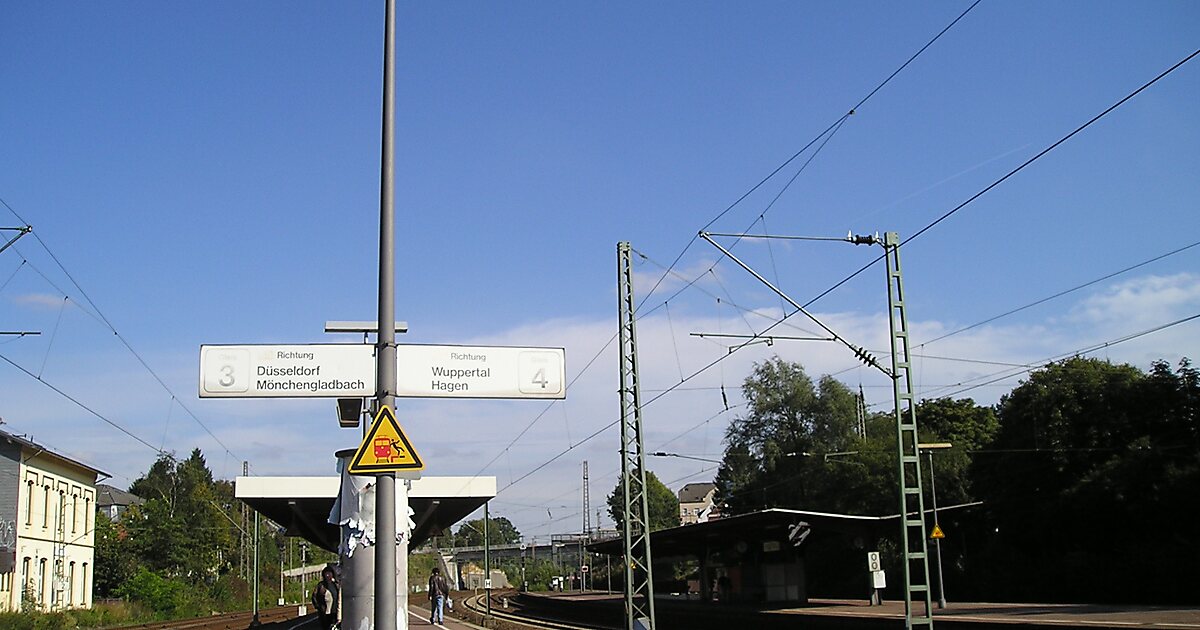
(696, 503)
(47, 519)
(113, 502)
(773, 557)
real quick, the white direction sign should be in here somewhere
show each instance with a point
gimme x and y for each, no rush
(480, 372)
(292, 371)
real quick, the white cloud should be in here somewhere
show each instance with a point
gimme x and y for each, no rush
(1145, 301)
(40, 301)
(466, 437)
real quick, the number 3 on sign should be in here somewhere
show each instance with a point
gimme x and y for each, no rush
(539, 373)
(226, 370)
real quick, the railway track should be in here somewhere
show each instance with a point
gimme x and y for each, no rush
(516, 617)
(227, 621)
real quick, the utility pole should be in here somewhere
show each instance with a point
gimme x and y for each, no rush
(254, 623)
(860, 413)
(387, 598)
(915, 561)
(587, 527)
(639, 573)
(487, 558)
(912, 528)
(244, 555)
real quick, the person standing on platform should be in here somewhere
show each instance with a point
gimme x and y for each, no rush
(438, 591)
(326, 599)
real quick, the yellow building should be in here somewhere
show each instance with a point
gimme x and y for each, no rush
(47, 522)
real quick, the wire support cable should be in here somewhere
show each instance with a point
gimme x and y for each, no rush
(1080, 352)
(1059, 294)
(1017, 310)
(1014, 171)
(1009, 374)
(985, 190)
(81, 405)
(693, 281)
(832, 126)
(925, 229)
(118, 335)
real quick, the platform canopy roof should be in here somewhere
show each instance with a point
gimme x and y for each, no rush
(769, 524)
(302, 504)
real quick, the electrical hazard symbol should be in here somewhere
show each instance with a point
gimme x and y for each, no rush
(937, 532)
(385, 449)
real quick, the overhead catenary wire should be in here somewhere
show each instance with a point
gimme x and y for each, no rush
(86, 408)
(832, 126)
(972, 198)
(116, 333)
(1014, 171)
(1018, 309)
(692, 282)
(858, 272)
(1082, 351)
(1060, 294)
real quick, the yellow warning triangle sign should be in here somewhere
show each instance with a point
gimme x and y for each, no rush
(385, 449)
(937, 532)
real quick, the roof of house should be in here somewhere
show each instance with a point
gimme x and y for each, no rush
(40, 450)
(107, 495)
(695, 492)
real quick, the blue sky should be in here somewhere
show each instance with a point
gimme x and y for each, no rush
(208, 173)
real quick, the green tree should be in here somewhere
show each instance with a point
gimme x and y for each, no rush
(968, 427)
(115, 562)
(180, 530)
(775, 453)
(661, 502)
(796, 446)
(501, 531)
(1090, 457)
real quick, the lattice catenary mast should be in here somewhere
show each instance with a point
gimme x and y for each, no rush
(639, 576)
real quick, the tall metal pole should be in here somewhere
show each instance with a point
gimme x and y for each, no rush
(937, 542)
(639, 571)
(281, 597)
(487, 558)
(914, 553)
(255, 622)
(385, 490)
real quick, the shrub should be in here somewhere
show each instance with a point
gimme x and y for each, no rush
(160, 594)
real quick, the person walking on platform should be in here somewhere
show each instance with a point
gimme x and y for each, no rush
(438, 591)
(326, 599)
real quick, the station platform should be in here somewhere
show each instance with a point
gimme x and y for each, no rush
(1066, 615)
(834, 614)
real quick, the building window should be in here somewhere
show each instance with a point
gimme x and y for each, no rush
(74, 509)
(26, 579)
(88, 517)
(42, 583)
(29, 502)
(84, 593)
(71, 586)
(45, 506)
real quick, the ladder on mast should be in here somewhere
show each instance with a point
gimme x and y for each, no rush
(912, 502)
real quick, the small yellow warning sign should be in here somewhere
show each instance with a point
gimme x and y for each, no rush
(937, 532)
(385, 449)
